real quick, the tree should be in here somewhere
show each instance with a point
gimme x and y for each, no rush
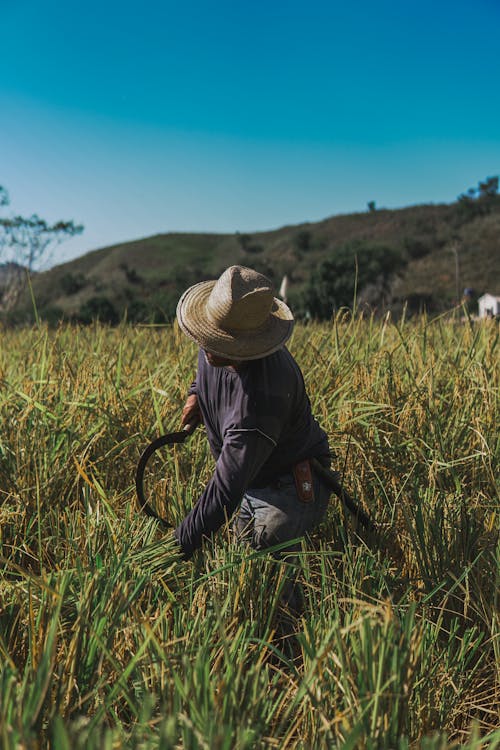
(98, 308)
(488, 188)
(485, 190)
(303, 240)
(479, 201)
(354, 266)
(25, 242)
(248, 245)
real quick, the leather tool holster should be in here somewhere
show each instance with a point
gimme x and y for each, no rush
(302, 474)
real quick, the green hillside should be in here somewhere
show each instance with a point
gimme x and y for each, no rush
(392, 257)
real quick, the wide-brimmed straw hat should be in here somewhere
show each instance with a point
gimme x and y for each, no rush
(237, 316)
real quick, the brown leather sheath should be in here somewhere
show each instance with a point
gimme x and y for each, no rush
(302, 474)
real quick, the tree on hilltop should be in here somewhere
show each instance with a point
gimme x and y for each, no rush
(479, 201)
(25, 244)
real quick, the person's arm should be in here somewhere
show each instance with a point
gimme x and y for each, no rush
(243, 454)
(191, 413)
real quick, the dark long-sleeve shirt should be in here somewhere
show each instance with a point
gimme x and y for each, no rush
(259, 425)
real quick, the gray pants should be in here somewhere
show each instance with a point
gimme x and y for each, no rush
(273, 515)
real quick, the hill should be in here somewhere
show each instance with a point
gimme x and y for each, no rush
(416, 256)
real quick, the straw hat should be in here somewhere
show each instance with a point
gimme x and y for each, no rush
(237, 316)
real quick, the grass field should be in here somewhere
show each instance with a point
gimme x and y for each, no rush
(107, 640)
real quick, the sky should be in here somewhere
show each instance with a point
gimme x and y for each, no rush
(135, 119)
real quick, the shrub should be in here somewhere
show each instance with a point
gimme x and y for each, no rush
(98, 308)
(303, 240)
(138, 311)
(71, 283)
(333, 284)
(416, 247)
(131, 274)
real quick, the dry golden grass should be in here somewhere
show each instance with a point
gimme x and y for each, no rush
(108, 640)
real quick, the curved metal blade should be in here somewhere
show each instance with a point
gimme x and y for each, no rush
(170, 439)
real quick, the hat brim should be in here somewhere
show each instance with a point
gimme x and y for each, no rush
(240, 346)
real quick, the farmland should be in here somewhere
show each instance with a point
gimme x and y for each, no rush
(108, 639)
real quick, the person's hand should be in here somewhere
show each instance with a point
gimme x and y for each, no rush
(173, 544)
(191, 414)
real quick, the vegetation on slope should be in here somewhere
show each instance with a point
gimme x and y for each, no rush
(418, 257)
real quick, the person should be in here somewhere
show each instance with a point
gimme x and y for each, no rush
(249, 393)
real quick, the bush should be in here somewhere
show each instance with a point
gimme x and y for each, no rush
(138, 311)
(52, 315)
(71, 283)
(130, 274)
(333, 284)
(416, 247)
(303, 240)
(163, 306)
(247, 244)
(98, 308)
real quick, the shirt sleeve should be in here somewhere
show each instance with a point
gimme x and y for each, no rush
(243, 454)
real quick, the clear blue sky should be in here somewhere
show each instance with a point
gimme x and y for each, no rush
(140, 118)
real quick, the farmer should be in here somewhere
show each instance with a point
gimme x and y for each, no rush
(249, 393)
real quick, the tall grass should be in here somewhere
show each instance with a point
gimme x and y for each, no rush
(108, 640)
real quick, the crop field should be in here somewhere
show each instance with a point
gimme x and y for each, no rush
(109, 640)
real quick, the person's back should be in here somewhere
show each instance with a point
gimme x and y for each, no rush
(250, 394)
(267, 395)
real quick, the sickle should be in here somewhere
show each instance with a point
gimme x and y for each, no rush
(328, 476)
(170, 439)
(331, 479)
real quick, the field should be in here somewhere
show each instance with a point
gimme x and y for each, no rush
(108, 640)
